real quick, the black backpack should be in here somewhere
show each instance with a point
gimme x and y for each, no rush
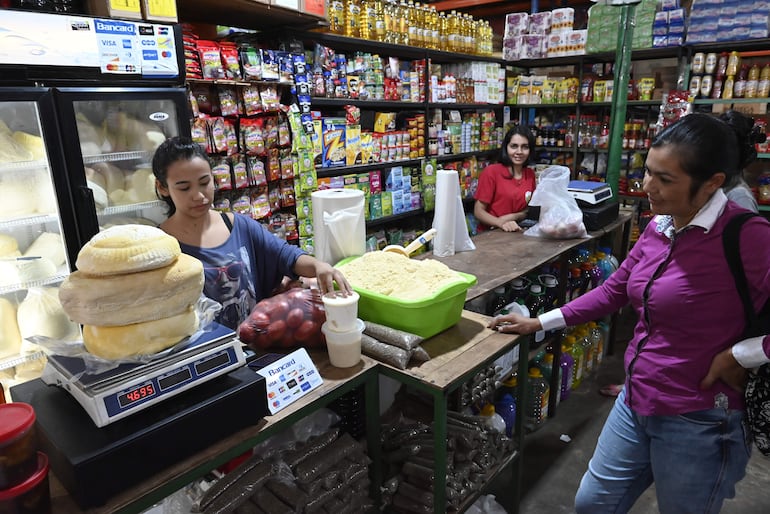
(758, 386)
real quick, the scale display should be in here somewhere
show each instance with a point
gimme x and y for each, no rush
(129, 388)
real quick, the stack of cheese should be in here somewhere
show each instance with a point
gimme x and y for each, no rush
(134, 292)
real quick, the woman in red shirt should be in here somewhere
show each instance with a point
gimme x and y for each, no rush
(505, 187)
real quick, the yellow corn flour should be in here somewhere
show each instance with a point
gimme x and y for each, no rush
(394, 275)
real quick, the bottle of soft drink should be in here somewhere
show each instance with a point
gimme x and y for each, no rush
(597, 340)
(518, 290)
(537, 399)
(506, 408)
(551, 285)
(567, 365)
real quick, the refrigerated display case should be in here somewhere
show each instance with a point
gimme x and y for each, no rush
(36, 225)
(77, 135)
(109, 136)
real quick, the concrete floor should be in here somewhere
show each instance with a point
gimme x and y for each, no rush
(553, 468)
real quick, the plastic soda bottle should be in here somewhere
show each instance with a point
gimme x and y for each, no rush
(567, 365)
(506, 408)
(537, 400)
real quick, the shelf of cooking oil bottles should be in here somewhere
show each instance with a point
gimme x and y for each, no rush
(410, 23)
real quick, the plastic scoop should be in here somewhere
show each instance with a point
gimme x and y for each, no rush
(414, 245)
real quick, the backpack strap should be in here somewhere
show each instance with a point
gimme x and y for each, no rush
(731, 241)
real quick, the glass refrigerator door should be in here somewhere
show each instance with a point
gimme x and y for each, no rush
(117, 140)
(33, 257)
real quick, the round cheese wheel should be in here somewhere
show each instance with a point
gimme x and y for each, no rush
(139, 338)
(134, 297)
(127, 249)
(9, 247)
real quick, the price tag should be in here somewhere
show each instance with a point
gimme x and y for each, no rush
(289, 378)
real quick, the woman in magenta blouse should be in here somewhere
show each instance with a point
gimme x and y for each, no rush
(680, 419)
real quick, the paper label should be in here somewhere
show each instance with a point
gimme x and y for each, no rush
(126, 5)
(165, 8)
(288, 379)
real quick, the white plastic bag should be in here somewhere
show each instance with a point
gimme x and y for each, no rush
(560, 216)
(486, 505)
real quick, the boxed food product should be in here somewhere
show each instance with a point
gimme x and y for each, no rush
(158, 10)
(129, 9)
(333, 140)
(425, 317)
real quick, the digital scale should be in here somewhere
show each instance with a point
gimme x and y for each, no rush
(591, 193)
(130, 388)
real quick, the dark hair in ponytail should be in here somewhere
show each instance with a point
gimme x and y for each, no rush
(748, 135)
(705, 146)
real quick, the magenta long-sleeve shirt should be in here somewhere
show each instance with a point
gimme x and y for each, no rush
(688, 308)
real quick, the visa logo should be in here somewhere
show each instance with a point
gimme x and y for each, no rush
(108, 42)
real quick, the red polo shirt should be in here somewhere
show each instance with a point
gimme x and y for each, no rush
(503, 193)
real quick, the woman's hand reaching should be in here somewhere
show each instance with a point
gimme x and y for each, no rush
(327, 275)
(724, 367)
(515, 324)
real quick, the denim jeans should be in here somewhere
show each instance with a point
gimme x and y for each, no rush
(695, 460)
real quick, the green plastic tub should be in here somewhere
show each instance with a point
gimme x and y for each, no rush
(425, 317)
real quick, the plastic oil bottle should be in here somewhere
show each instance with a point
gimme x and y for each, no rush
(379, 20)
(597, 340)
(546, 367)
(584, 340)
(576, 351)
(537, 400)
(337, 16)
(352, 18)
(567, 365)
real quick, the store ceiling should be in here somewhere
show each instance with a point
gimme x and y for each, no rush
(494, 8)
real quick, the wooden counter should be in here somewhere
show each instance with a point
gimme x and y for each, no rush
(336, 382)
(500, 256)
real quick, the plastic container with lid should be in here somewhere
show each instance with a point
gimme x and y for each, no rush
(18, 444)
(344, 347)
(33, 495)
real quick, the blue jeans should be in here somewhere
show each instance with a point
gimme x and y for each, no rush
(695, 460)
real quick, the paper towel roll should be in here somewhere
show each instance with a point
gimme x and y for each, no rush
(449, 218)
(339, 225)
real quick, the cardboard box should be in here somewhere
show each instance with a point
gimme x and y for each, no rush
(160, 10)
(317, 7)
(126, 9)
(289, 4)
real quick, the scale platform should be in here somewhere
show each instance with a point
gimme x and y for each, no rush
(589, 192)
(94, 464)
(130, 388)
